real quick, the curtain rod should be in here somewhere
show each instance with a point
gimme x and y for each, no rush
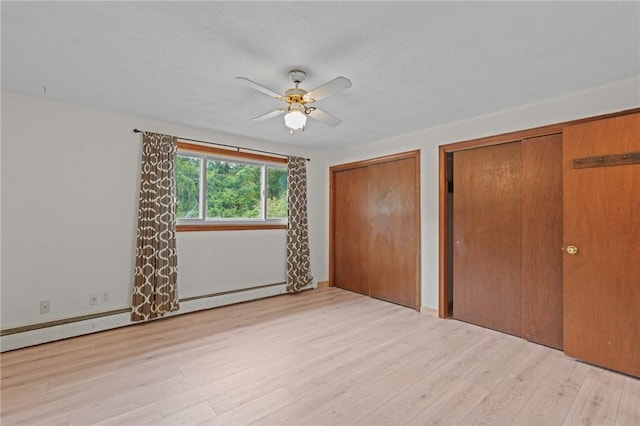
(228, 146)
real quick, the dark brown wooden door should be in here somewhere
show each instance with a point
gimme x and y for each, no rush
(392, 229)
(351, 247)
(375, 221)
(542, 240)
(602, 219)
(487, 217)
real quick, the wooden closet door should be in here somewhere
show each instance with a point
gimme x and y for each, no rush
(487, 217)
(393, 229)
(602, 219)
(542, 240)
(375, 227)
(350, 233)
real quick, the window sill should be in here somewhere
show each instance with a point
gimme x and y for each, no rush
(229, 227)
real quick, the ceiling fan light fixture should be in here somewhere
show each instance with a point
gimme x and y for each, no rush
(295, 119)
(297, 98)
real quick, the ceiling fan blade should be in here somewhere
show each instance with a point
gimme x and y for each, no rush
(329, 88)
(260, 88)
(271, 114)
(325, 117)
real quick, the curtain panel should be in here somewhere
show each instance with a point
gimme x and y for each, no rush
(155, 289)
(298, 261)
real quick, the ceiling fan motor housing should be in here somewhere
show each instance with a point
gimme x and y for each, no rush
(296, 95)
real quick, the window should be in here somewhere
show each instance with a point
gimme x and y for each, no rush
(222, 189)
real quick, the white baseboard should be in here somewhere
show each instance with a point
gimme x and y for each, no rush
(429, 311)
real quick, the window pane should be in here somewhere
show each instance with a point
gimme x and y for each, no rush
(276, 193)
(233, 190)
(188, 187)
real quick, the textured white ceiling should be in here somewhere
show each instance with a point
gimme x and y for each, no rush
(413, 65)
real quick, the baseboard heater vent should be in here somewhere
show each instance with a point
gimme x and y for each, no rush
(56, 323)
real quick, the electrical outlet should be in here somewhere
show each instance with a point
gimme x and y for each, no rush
(45, 307)
(94, 299)
(104, 297)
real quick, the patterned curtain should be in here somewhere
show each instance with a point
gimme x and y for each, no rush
(155, 282)
(298, 263)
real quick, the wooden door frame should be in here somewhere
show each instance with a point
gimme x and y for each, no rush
(443, 188)
(370, 162)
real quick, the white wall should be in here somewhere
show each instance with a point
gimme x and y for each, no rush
(610, 98)
(69, 204)
(69, 179)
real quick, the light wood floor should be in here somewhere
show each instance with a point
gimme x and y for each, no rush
(321, 357)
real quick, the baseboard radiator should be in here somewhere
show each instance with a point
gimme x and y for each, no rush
(43, 332)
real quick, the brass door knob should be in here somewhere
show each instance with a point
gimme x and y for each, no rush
(572, 250)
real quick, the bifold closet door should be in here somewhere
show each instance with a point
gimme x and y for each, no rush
(601, 164)
(487, 222)
(350, 229)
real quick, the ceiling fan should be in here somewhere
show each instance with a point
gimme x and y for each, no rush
(297, 99)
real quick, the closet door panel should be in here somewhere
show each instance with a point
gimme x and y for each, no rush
(351, 230)
(542, 240)
(393, 232)
(487, 259)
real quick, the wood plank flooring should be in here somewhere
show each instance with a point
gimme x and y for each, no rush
(323, 357)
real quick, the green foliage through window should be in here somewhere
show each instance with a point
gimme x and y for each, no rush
(231, 189)
(188, 184)
(277, 195)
